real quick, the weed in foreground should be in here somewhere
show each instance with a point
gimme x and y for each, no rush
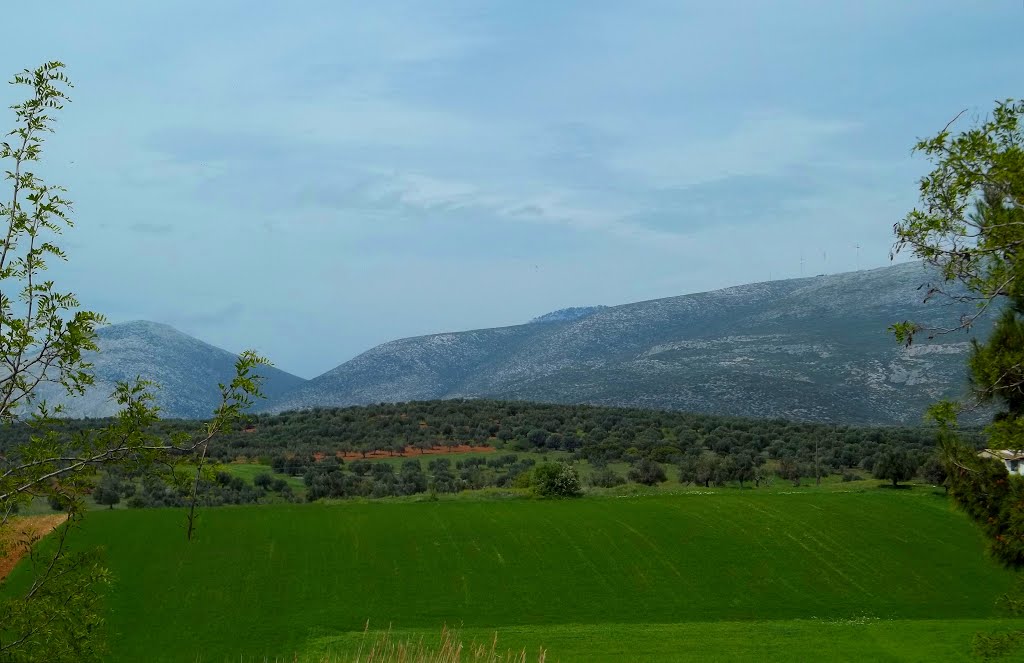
(386, 648)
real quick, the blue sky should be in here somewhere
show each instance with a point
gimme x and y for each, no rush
(314, 178)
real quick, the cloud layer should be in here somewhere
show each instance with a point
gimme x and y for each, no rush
(318, 177)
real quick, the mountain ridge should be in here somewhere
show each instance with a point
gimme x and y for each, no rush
(185, 369)
(567, 314)
(814, 348)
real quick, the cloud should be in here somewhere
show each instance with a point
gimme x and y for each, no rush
(342, 156)
(762, 144)
(533, 204)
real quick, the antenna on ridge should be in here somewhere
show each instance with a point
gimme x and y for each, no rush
(801, 264)
(857, 246)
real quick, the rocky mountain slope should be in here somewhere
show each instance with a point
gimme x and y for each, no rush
(187, 370)
(811, 349)
(568, 314)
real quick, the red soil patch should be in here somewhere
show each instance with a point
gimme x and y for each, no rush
(19, 535)
(412, 451)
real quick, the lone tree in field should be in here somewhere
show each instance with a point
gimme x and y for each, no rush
(647, 472)
(556, 480)
(745, 468)
(895, 465)
(44, 338)
(107, 491)
(970, 226)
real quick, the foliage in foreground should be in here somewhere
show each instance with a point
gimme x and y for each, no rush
(970, 224)
(44, 338)
(386, 648)
(991, 497)
(995, 645)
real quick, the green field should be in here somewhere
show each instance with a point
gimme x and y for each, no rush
(881, 575)
(248, 471)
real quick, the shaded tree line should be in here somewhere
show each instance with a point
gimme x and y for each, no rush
(155, 490)
(331, 477)
(703, 449)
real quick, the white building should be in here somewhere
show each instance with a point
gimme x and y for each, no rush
(1012, 458)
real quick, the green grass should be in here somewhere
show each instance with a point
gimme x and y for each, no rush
(248, 471)
(658, 577)
(791, 640)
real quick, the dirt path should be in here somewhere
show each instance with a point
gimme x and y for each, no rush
(417, 451)
(18, 532)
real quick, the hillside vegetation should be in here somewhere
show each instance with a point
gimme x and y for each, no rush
(326, 447)
(592, 432)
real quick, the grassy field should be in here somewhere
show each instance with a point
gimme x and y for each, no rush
(880, 574)
(782, 640)
(248, 471)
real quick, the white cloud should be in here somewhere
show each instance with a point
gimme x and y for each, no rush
(529, 203)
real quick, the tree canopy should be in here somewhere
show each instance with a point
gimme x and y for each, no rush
(970, 220)
(970, 225)
(45, 338)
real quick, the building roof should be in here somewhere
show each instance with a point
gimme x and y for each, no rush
(1003, 454)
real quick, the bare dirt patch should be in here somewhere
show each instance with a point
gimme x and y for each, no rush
(19, 534)
(417, 451)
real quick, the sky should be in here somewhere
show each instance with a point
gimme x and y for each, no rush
(313, 178)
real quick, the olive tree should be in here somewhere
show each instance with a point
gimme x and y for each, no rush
(895, 465)
(647, 472)
(108, 491)
(970, 226)
(975, 250)
(45, 338)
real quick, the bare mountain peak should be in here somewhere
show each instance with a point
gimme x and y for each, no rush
(186, 369)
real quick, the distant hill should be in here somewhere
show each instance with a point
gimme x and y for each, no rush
(568, 314)
(811, 349)
(187, 370)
